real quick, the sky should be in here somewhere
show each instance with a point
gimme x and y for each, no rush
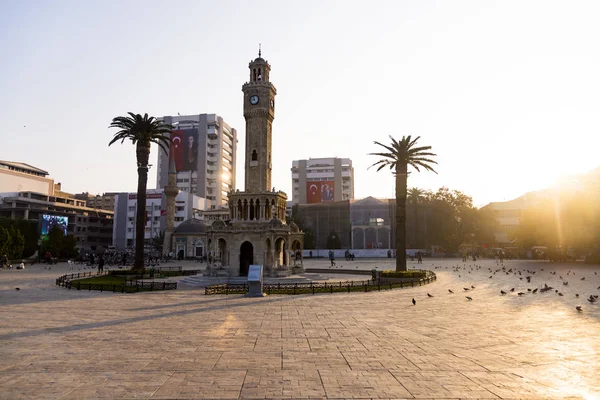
(507, 93)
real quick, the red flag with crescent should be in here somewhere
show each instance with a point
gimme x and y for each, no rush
(176, 149)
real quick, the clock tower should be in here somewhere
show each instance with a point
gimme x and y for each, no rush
(259, 112)
(256, 232)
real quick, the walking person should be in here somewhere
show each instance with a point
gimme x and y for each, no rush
(419, 258)
(332, 258)
(100, 264)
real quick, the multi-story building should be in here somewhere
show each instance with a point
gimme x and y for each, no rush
(323, 222)
(371, 224)
(320, 180)
(106, 201)
(187, 206)
(205, 151)
(92, 228)
(21, 177)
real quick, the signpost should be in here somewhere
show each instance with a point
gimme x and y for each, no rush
(255, 281)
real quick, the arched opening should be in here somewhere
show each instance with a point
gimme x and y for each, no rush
(245, 213)
(257, 209)
(297, 252)
(259, 75)
(371, 238)
(254, 155)
(358, 238)
(246, 257)
(254, 75)
(383, 237)
(251, 216)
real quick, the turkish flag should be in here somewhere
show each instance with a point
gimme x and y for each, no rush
(176, 149)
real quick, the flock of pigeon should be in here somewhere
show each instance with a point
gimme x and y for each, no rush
(523, 274)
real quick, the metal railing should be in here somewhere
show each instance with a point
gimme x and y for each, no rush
(70, 281)
(318, 287)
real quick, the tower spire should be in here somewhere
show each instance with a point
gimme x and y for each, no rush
(259, 50)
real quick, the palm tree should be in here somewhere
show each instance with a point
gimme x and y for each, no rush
(142, 131)
(400, 155)
(415, 196)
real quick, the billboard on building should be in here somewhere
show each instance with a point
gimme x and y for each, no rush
(319, 191)
(184, 147)
(50, 221)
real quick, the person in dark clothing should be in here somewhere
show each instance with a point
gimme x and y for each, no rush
(100, 264)
(419, 258)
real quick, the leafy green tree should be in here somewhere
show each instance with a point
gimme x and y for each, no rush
(17, 243)
(4, 241)
(400, 154)
(142, 131)
(415, 198)
(29, 230)
(52, 242)
(68, 247)
(333, 241)
(158, 241)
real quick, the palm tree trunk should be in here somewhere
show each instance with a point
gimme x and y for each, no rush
(143, 155)
(401, 188)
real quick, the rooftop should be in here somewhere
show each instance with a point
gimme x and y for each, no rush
(22, 167)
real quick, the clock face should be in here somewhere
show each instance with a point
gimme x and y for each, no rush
(254, 99)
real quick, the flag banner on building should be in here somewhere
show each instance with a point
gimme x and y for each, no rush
(176, 149)
(184, 145)
(319, 191)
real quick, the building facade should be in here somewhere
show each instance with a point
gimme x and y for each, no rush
(371, 224)
(321, 180)
(105, 201)
(92, 228)
(21, 177)
(187, 206)
(204, 149)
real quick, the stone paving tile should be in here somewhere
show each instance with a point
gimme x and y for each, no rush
(50, 385)
(441, 384)
(119, 385)
(373, 360)
(278, 384)
(79, 344)
(204, 384)
(313, 360)
(349, 384)
(244, 360)
(193, 361)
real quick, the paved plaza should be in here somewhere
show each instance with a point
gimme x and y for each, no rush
(68, 344)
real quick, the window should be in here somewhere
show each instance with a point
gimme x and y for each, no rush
(178, 219)
(129, 229)
(131, 208)
(130, 219)
(254, 155)
(180, 208)
(156, 208)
